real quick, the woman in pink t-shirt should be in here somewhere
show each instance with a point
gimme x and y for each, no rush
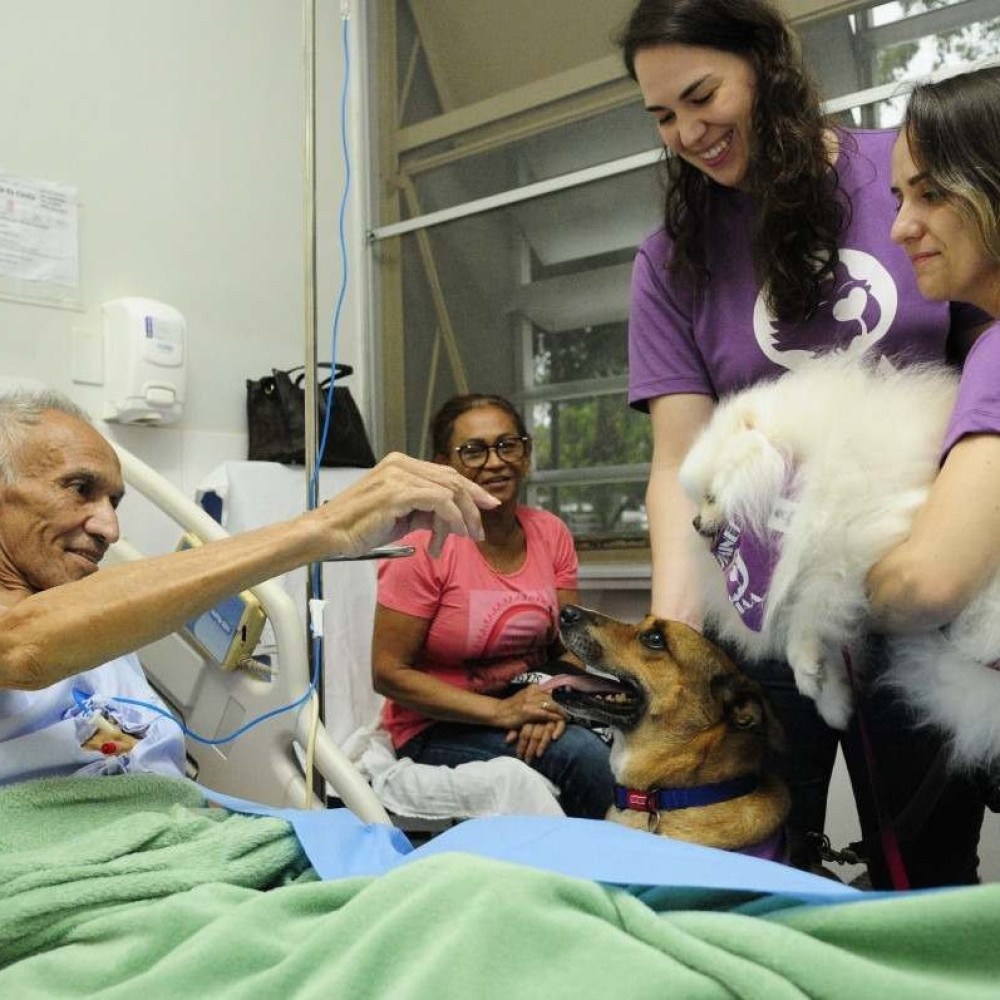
(457, 638)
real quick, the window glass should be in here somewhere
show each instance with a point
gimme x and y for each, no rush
(595, 432)
(445, 173)
(574, 355)
(599, 515)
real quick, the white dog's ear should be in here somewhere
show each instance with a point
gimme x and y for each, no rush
(753, 474)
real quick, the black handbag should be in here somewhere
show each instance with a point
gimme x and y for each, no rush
(276, 406)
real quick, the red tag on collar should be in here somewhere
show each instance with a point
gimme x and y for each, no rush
(640, 801)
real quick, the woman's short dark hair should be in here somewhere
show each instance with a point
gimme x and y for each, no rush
(953, 130)
(800, 211)
(443, 422)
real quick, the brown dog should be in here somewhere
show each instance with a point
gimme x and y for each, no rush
(689, 731)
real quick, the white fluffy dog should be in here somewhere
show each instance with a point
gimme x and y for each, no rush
(952, 678)
(802, 484)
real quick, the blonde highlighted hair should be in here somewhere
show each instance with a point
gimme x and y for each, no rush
(953, 131)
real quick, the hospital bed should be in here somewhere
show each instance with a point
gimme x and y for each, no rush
(129, 885)
(267, 765)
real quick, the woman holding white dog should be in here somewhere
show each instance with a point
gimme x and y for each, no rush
(946, 178)
(775, 248)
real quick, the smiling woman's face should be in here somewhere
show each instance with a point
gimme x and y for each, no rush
(947, 253)
(487, 425)
(702, 101)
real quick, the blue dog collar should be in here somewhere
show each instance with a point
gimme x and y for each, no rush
(667, 799)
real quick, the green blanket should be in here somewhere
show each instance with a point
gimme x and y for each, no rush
(130, 887)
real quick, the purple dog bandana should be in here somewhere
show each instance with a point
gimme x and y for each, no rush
(748, 558)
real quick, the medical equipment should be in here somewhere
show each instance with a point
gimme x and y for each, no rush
(145, 361)
(229, 632)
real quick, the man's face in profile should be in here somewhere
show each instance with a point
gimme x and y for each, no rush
(58, 518)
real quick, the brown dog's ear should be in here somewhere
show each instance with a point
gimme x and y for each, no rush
(745, 707)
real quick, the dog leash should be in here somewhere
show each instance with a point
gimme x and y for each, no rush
(887, 833)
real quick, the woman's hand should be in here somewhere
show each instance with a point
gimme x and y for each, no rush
(533, 738)
(530, 704)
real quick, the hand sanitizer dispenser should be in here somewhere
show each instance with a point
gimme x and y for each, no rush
(145, 361)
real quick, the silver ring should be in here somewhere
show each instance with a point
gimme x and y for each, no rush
(545, 704)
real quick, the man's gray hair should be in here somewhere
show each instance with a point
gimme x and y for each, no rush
(22, 409)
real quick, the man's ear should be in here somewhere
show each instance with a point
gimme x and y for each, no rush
(745, 707)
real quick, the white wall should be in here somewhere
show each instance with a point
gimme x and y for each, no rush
(181, 124)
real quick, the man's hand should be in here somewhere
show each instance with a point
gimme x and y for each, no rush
(399, 495)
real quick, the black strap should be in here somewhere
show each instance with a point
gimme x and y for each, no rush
(339, 371)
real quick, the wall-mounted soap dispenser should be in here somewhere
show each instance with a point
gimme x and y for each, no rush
(145, 359)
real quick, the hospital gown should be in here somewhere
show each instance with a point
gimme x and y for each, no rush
(41, 732)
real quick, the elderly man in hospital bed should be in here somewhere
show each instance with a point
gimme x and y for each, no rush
(67, 632)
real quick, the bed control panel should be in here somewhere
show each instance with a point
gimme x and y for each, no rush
(229, 632)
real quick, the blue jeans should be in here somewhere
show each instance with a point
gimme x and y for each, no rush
(943, 850)
(576, 763)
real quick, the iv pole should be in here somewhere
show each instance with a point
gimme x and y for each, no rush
(314, 586)
(309, 225)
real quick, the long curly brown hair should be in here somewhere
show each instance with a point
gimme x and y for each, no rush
(800, 209)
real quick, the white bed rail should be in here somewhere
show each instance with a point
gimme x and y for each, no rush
(262, 764)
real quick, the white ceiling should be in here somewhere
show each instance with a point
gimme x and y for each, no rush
(480, 48)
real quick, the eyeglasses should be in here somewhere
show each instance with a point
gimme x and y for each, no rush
(475, 454)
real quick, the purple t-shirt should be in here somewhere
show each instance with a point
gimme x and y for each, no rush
(977, 409)
(721, 341)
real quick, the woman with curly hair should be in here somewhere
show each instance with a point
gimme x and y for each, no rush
(775, 248)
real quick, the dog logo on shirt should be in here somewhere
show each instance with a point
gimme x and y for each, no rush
(859, 306)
